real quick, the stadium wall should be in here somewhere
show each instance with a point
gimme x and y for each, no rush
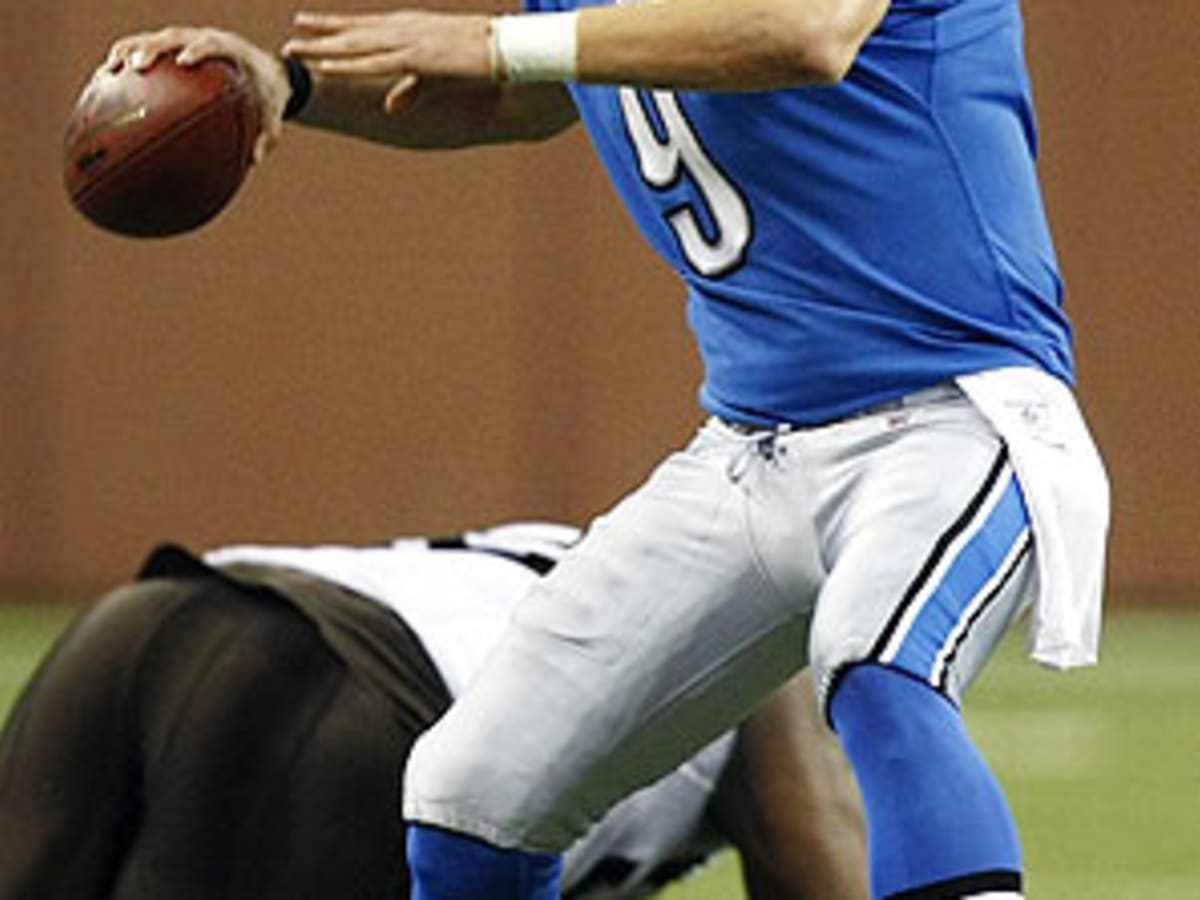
(371, 343)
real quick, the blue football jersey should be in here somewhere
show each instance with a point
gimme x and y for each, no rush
(844, 245)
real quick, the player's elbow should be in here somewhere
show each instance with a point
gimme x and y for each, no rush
(829, 51)
(828, 59)
(823, 47)
(781, 60)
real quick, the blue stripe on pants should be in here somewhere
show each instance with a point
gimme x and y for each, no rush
(978, 563)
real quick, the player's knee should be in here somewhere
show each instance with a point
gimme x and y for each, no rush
(833, 650)
(463, 786)
(445, 776)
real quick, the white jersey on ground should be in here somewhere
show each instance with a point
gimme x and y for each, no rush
(457, 595)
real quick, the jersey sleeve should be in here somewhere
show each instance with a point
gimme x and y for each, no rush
(545, 6)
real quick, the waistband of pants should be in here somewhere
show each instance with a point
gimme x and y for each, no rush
(946, 391)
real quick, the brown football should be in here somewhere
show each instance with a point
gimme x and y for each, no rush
(160, 152)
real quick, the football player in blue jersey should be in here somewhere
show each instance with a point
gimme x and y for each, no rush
(894, 467)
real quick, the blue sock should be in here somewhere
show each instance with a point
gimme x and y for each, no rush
(450, 866)
(937, 821)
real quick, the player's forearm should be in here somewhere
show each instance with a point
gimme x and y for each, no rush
(440, 114)
(724, 44)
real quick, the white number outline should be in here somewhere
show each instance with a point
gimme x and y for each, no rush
(662, 161)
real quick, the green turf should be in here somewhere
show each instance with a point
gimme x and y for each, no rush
(1102, 766)
(25, 632)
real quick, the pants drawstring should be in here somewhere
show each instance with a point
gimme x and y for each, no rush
(763, 445)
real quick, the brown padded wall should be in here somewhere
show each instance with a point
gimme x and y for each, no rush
(371, 342)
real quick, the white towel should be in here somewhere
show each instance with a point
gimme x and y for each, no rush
(1066, 491)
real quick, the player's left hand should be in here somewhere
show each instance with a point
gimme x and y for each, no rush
(406, 45)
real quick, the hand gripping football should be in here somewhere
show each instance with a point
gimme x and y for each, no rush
(160, 152)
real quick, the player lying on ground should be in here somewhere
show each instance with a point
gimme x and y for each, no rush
(238, 730)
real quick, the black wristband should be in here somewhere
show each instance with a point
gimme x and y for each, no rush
(300, 80)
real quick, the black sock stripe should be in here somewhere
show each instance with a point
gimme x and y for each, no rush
(964, 887)
(940, 549)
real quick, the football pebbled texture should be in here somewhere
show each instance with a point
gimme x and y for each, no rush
(160, 152)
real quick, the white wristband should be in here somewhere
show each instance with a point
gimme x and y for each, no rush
(534, 47)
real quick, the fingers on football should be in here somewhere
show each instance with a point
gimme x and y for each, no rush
(140, 51)
(204, 47)
(263, 145)
(122, 50)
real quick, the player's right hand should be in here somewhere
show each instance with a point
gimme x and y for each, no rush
(190, 45)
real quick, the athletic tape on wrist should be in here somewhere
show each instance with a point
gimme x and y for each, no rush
(534, 47)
